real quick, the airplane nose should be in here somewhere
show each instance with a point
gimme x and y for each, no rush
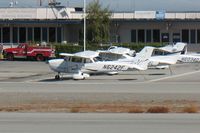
(52, 64)
(55, 63)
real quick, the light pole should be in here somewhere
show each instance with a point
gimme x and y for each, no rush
(84, 41)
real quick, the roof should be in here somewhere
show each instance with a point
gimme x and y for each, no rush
(64, 13)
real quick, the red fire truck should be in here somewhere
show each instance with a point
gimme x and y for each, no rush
(29, 52)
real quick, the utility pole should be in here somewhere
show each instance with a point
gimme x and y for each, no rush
(84, 41)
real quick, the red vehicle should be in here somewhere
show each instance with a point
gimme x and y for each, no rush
(29, 52)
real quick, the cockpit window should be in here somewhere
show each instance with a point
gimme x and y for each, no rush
(161, 52)
(96, 59)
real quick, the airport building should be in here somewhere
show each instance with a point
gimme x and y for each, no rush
(18, 25)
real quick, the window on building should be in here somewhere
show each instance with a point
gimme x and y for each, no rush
(37, 34)
(52, 34)
(44, 34)
(156, 35)
(165, 37)
(193, 36)
(141, 36)
(185, 36)
(59, 34)
(6, 35)
(176, 37)
(198, 36)
(30, 34)
(22, 35)
(15, 35)
(148, 36)
(0, 36)
(133, 35)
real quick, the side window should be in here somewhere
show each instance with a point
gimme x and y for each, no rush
(158, 52)
(66, 58)
(76, 59)
(87, 61)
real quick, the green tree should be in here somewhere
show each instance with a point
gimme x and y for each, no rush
(98, 23)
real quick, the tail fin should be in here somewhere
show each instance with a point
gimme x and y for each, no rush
(142, 58)
(179, 47)
(145, 53)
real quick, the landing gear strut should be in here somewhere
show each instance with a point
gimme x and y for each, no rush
(57, 77)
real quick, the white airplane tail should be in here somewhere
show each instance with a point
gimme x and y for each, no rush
(142, 58)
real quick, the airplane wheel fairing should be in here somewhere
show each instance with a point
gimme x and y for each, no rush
(81, 76)
(78, 77)
(112, 73)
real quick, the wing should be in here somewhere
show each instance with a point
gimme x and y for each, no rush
(66, 54)
(84, 54)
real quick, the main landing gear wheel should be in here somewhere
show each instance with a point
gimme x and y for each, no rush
(57, 77)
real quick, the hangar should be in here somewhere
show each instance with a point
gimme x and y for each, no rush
(62, 24)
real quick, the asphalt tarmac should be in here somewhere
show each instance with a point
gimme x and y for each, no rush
(25, 82)
(98, 123)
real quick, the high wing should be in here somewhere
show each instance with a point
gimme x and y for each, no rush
(84, 54)
(117, 50)
(66, 54)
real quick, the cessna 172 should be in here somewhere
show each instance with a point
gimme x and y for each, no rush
(82, 64)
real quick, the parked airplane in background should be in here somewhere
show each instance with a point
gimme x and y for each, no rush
(126, 55)
(184, 56)
(82, 64)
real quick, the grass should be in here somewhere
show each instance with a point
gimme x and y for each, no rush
(158, 109)
(178, 107)
(74, 110)
(136, 109)
(190, 109)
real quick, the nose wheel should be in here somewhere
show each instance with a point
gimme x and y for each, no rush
(57, 77)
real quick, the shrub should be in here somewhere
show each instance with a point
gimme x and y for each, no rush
(136, 110)
(158, 109)
(190, 109)
(70, 48)
(74, 110)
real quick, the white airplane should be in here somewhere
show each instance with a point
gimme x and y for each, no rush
(184, 57)
(126, 55)
(80, 65)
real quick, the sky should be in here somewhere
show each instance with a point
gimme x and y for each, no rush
(122, 5)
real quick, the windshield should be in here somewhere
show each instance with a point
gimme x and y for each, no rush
(98, 58)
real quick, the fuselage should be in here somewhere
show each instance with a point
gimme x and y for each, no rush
(63, 66)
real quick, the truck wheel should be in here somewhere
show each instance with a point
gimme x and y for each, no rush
(10, 57)
(40, 57)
